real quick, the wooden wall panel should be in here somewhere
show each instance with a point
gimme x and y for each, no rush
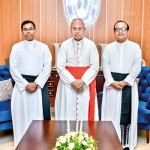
(12, 26)
(91, 35)
(87, 33)
(31, 10)
(146, 33)
(137, 21)
(52, 25)
(133, 16)
(114, 13)
(48, 24)
(2, 41)
(63, 28)
(9, 27)
(128, 16)
(99, 27)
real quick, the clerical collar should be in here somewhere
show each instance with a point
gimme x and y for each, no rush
(123, 43)
(79, 42)
(29, 44)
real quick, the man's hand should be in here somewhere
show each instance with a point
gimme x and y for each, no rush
(123, 83)
(77, 85)
(31, 87)
(117, 86)
(80, 90)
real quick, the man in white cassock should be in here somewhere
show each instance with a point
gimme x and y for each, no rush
(77, 66)
(121, 66)
(30, 67)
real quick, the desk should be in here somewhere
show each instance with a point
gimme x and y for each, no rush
(41, 135)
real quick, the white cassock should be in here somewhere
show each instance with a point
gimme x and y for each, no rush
(28, 58)
(122, 58)
(68, 104)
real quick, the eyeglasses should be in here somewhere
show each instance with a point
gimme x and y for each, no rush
(120, 29)
(26, 29)
(77, 29)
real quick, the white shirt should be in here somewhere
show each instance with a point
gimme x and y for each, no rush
(122, 58)
(30, 58)
(85, 55)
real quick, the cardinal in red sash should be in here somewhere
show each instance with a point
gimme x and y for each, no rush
(77, 66)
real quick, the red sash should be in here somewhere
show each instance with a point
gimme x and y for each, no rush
(78, 72)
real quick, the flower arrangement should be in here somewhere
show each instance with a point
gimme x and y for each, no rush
(76, 141)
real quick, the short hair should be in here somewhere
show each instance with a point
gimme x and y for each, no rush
(77, 19)
(123, 22)
(26, 22)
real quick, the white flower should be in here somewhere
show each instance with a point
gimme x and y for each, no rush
(76, 140)
(59, 138)
(81, 137)
(71, 146)
(91, 145)
(86, 135)
(92, 140)
(84, 142)
(73, 133)
(63, 139)
(57, 144)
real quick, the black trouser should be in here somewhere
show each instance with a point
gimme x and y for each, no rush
(125, 118)
(45, 97)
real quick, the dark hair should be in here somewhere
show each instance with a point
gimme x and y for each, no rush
(77, 19)
(26, 22)
(123, 22)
